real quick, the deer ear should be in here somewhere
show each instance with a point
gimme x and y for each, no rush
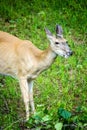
(59, 31)
(49, 34)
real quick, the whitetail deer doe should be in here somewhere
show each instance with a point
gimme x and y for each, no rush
(22, 59)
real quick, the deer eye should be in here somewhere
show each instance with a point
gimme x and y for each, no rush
(57, 43)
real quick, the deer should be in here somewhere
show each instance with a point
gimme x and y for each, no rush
(23, 60)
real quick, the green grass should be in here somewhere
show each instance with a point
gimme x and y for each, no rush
(64, 84)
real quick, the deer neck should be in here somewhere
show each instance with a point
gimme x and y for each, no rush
(46, 58)
(43, 60)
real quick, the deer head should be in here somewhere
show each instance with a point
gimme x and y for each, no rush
(58, 44)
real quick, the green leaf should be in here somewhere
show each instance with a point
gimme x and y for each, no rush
(58, 126)
(37, 118)
(46, 118)
(64, 113)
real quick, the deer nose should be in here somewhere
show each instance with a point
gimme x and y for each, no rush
(71, 53)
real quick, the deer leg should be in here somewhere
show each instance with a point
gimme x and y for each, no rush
(25, 94)
(30, 84)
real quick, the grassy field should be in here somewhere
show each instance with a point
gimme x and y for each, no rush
(60, 93)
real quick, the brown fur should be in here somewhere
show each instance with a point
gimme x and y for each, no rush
(22, 59)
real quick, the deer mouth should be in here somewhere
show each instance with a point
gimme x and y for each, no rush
(68, 54)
